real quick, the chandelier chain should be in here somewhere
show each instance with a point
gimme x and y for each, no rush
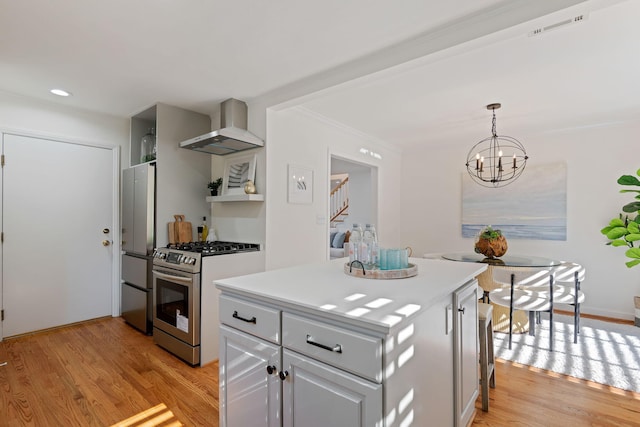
(493, 124)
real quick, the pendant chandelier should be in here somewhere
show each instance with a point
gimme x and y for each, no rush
(496, 161)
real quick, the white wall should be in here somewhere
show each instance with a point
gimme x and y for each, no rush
(595, 158)
(298, 233)
(21, 114)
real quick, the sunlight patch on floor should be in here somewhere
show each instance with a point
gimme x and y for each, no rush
(155, 416)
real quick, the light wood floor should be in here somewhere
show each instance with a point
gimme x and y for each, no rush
(103, 373)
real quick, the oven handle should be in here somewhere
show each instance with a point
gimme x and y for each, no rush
(171, 277)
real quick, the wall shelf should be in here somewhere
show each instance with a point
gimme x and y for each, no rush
(237, 198)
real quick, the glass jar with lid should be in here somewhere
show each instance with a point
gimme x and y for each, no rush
(148, 146)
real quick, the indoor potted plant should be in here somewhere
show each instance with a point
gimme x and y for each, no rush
(214, 185)
(625, 230)
(491, 243)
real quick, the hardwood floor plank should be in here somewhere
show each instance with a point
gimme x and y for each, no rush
(105, 373)
(526, 396)
(101, 373)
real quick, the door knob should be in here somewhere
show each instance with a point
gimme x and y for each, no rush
(106, 243)
(271, 370)
(105, 231)
(283, 375)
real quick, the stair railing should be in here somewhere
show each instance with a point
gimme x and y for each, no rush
(339, 199)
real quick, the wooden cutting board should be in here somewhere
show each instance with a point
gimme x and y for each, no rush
(183, 230)
(172, 232)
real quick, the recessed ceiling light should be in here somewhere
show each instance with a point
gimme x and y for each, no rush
(60, 92)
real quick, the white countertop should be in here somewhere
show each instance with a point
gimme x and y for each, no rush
(325, 290)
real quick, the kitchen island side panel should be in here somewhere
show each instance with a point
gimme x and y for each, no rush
(418, 370)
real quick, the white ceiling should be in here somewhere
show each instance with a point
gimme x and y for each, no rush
(430, 66)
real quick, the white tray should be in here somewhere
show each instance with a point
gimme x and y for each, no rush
(402, 273)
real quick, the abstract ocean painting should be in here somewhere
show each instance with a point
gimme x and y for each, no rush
(532, 207)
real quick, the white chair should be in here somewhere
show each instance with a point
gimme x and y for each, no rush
(524, 288)
(568, 278)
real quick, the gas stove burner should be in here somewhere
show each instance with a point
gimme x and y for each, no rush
(215, 248)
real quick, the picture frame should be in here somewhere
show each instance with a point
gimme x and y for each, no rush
(300, 183)
(237, 171)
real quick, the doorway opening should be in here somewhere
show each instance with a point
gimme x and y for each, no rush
(353, 196)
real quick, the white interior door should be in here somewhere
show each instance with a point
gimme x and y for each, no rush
(57, 200)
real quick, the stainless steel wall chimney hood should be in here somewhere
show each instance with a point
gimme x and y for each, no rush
(233, 135)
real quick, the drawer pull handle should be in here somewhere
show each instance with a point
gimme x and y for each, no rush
(336, 349)
(236, 316)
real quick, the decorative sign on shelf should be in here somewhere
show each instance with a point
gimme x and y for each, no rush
(237, 171)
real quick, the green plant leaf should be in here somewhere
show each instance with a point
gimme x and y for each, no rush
(631, 207)
(632, 237)
(630, 191)
(617, 232)
(633, 227)
(618, 242)
(633, 253)
(617, 222)
(632, 263)
(628, 180)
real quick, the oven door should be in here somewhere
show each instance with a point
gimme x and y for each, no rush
(176, 304)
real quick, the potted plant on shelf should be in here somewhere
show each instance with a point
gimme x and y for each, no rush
(625, 230)
(491, 243)
(214, 185)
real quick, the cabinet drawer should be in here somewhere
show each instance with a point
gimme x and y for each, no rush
(255, 319)
(342, 348)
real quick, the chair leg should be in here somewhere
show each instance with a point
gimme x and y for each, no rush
(551, 329)
(576, 309)
(511, 311)
(576, 322)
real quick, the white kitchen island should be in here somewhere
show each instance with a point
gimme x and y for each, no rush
(312, 346)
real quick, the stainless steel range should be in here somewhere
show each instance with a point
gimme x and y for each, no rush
(177, 291)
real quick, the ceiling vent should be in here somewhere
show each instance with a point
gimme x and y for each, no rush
(566, 22)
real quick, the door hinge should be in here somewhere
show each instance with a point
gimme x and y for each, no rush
(2, 160)
(1, 315)
(1, 236)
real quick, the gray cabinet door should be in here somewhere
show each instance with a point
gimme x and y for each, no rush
(249, 394)
(465, 300)
(138, 209)
(319, 395)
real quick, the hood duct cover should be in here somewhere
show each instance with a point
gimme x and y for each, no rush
(233, 135)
